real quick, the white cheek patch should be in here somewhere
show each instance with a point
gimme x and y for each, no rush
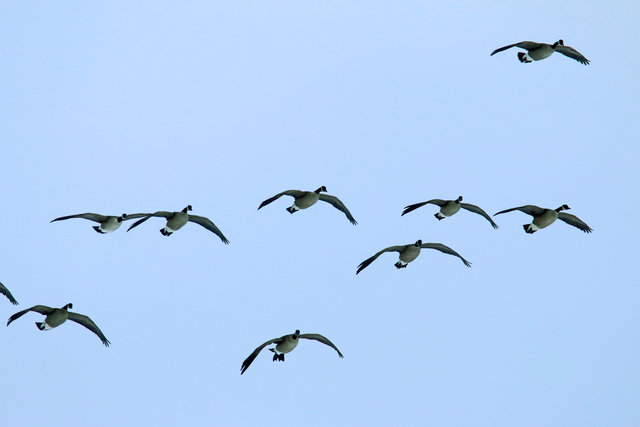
(294, 207)
(402, 263)
(168, 230)
(533, 227)
(46, 326)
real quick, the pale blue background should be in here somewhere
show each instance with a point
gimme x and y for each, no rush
(115, 107)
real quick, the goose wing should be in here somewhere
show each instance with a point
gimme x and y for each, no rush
(209, 225)
(524, 45)
(444, 249)
(322, 339)
(575, 221)
(572, 53)
(90, 216)
(292, 193)
(476, 209)
(4, 291)
(88, 323)
(364, 264)
(42, 309)
(249, 360)
(415, 206)
(162, 214)
(528, 209)
(134, 216)
(336, 203)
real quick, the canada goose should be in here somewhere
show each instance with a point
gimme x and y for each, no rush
(539, 51)
(410, 252)
(449, 208)
(57, 316)
(176, 220)
(543, 218)
(108, 223)
(284, 345)
(4, 291)
(305, 199)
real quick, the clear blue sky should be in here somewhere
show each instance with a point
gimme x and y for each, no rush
(115, 107)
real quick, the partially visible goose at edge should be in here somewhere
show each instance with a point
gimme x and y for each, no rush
(4, 291)
(449, 208)
(543, 218)
(410, 252)
(539, 51)
(285, 344)
(57, 316)
(306, 199)
(108, 223)
(176, 220)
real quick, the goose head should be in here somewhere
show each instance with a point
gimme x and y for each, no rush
(563, 208)
(558, 43)
(323, 188)
(296, 333)
(459, 199)
(418, 243)
(188, 208)
(121, 217)
(68, 306)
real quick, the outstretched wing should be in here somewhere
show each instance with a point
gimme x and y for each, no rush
(90, 216)
(127, 217)
(336, 203)
(524, 45)
(572, 53)
(476, 209)
(88, 323)
(293, 193)
(364, 264)
(415, 206)
(163, 214)
(322, 339)
(4, 291)
(528, 209)
(42, 309)
(575, 221)
(249, 360)
(209, 225)
(444, 249)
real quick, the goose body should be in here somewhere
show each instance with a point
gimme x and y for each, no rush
(543, 217)
(449, 208)
(177, 220)
(284, 345)
(57, 316)
(4, 291)
(539, 51)
(108, 223)
(408, 253)
(306, 199)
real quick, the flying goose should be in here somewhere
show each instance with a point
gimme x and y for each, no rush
(108, 223)
(449, 208)
(410, 252)
(543, 218)
(305, 199)
(176, 220)
(539, 51)
(4, 291)
(57, 316)
(284, 345)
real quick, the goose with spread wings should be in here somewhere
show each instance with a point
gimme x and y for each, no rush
(4, 291)
(449, 208)
(176, 220)
(306, 199)
(108, 223)
(57, 316)
(539, 51)
(543, 218)
(285, 344)
(410, 252)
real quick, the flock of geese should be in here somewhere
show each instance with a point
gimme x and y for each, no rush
(541, 218)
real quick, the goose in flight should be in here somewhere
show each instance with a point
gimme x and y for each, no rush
(108, 223)
(284, 345)
(57, 316)
(449, 208)
(306, 199)
(410, 252)
(543, 218)
(176, 220)
(4, 291)
(539, 51)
